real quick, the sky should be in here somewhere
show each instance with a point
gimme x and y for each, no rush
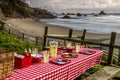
(85, 6)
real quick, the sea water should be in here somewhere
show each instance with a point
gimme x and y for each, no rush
(94, 24)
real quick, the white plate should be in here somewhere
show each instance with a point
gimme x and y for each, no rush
(60, 62)
(65, 53)
(88, 52)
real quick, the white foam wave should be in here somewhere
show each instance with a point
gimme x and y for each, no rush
(101, 25)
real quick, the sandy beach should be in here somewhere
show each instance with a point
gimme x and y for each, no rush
(33, 27)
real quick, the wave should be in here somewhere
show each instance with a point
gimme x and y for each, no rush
(101, 25)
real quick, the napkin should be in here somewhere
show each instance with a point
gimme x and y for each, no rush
(20, 56)
(36, 55)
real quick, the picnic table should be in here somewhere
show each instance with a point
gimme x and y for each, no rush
(49, 71)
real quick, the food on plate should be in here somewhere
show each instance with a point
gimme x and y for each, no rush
(66, 55)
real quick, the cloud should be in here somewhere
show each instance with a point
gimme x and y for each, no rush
(62, 5)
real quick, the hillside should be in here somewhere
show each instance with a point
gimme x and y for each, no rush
(12, 43)
(19, 9)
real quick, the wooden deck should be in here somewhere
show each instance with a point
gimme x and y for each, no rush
(104, 74)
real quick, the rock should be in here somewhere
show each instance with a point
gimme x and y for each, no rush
(102, 13)
(20, 9)
(95, 15)
(85, 15)
(79, 14)
(66, 17)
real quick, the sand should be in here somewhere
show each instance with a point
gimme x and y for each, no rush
(33, 27)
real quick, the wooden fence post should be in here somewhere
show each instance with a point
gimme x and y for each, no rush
(111, 48)
(119, 58)
(83, 37)
(23, 36)
(36, 40)
(45, 38)
(9, 31)
(70, 34)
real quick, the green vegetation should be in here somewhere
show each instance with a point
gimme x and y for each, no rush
(10, 42)
(105, 58)
(94, 69)
(117, 75)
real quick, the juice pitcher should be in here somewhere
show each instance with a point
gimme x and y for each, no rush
(53, 48)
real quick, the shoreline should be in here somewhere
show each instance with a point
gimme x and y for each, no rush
(35, 27)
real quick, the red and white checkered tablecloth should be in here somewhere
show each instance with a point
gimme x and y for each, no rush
(48, 71)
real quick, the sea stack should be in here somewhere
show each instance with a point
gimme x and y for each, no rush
(79, 14)
(66, 17)
(102, 13)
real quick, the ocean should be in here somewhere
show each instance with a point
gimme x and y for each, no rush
(94, 24)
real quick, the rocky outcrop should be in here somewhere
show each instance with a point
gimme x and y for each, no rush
(79, 14)
(66, 17)
(19, 9)
(102, 13)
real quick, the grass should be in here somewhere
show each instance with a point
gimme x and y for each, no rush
(11, 43)
(117, 76)
(95, 68)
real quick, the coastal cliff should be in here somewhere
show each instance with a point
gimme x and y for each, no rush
(19, 9)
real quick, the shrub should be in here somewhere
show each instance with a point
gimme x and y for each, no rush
(13, 44)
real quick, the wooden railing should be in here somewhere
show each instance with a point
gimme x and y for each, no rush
(35, 40)
(69, 37)
(82, 40)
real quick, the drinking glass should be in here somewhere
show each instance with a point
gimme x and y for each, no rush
(77, 46)
(30, 51)
(35, 51)
(46, 56)
(53, 48)
(69, 45)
